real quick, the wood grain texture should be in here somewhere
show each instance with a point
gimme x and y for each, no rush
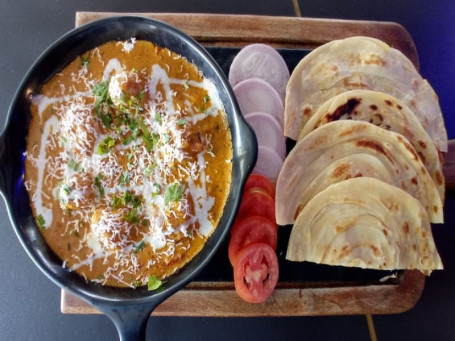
(220, 299)
(288, 299)
(290, 32)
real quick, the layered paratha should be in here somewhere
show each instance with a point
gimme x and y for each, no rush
(360, 63)
(366, 223)
(333, 141)
(386, 112)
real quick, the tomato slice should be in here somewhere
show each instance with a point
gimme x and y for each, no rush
(256, 202)
(258, 180)
(256, 272)
(251, 230)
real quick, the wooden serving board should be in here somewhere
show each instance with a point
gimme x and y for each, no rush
(289, 298)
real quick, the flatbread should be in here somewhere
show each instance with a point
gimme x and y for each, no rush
(360, 63)
(386, 112)
(366, 223)
(333, 141)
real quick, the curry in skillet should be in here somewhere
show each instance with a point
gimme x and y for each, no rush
(128, 162)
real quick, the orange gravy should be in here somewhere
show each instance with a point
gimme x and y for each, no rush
(128, 162)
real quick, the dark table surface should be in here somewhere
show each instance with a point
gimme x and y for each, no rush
(30, 303)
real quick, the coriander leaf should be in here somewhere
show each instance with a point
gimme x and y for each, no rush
(154, 283)
(148, 143)
(130, 198)
(84, 60)
(146, 136)
(181, 122)
(41, 222)
(66, 189)
(158, 118)
(101, 90)
(149, 169)
(129, 139)
(102, 103)
(133, 124)
(105, 145)
(124, 178)
(206, 99)
(76, 166)
(141, 95)
(140, 247)
(115, 202)
(166, 137)
(156, 189)
(98, 185)
(173, 193)
(132, 217)
(106, 119)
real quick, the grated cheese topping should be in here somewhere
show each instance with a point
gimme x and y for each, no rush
(122, 165)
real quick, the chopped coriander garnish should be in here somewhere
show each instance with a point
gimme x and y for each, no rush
(129, 139)
(156, 189)
(148, 143)
(132, 100)
(84, 60)
(141, 95)
(76, 166)
(123, 97)
(166, 137)
(100, 90)
(140, 247)
(173, 193)
(124, 178)
(133, 124)
(149, 169)
(148, 138)
(206, 99)
(186, 86)
(127, 197)
(98, 185)
(105, 145)
(41, 221)
(102, 103)
(132, 217)
(66, 189)
(116, 202)
(181, 122)
(130, 198)
(154, 283)
(158, 118)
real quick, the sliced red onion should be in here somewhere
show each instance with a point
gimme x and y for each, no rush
(255, 94)
(268, 131)
(268, 163)
(260, 61)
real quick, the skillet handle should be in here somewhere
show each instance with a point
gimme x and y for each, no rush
(130, 320)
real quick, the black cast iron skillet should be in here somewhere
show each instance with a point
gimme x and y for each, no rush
(129, 309)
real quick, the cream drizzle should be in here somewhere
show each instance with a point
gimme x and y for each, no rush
(154, 207)
(51, 124)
